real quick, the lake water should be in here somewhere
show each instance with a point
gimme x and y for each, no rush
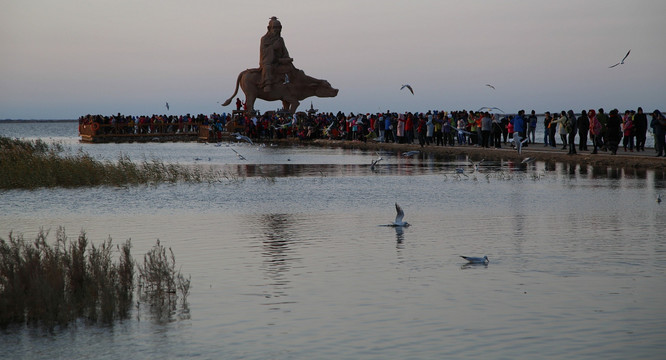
(289, 261)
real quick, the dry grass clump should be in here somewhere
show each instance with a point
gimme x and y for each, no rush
(54, 285)
(161, 284)
(29, 165)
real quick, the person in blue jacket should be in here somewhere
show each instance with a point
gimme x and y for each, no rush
(518, 123)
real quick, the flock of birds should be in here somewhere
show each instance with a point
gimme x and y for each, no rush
(490, 86)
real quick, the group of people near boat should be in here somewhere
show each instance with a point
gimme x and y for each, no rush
(143, 124)
(606, 132)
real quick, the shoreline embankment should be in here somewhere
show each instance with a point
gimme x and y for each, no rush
(635, 160)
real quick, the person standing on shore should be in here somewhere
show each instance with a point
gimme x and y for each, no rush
(628, 130)
(409, 128)
(552, 129)
(430, 129)
(505, 128)
(603, 135)
(572, 129)
(401, 129)
(461, 134)
(497, 133)
(421, 130)
(640, 127)
(439, 124)
(518, 128)
(562, 128)
(531, 131)
(583, 124)
(658, 123)
(613, 131)
(380, 125)
(449, 132)
(486, 127)
(389, 129)
(595, 130)
(546, 125)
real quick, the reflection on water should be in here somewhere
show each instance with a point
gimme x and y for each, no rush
(278, 255)
(399, 236)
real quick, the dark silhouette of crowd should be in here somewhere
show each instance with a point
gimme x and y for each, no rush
(605, 132)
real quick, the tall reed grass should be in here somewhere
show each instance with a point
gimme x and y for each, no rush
(161, 285)
(53, 285)
(35, 164)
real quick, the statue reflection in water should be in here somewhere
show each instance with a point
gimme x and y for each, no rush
(277, 252)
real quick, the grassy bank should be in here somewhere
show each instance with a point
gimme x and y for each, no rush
(35, 164)
(53, 285)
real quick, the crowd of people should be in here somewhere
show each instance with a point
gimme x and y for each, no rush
(126, 124)
(606, 132)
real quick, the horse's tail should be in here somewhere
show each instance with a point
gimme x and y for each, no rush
(235, 91)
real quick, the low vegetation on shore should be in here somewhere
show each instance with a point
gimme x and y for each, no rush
(54, 285)
(35, 164)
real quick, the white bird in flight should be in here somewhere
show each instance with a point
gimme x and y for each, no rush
(408, 87)
(476, 260)
(410, 153)
(476, 165)
(399, 216)
(167, 106)
(375, 161)
(490, 86)
(621, 62)
(659, 199)
(242, 137)
(490, 109)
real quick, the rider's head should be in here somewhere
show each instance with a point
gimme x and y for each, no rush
(274, 24)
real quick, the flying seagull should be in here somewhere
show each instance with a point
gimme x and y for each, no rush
(167, 106)
(374, 162)
(408, 87)
(621, 62)
(659, 199)
(489, 109)
(476, 260)
(476, 165)
(490, 86)
(410, 153)
(242, 137)
(398, 217)
(527, 160)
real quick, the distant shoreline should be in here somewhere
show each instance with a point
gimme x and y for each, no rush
(13, 121)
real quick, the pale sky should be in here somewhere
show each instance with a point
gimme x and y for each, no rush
(60, 59)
